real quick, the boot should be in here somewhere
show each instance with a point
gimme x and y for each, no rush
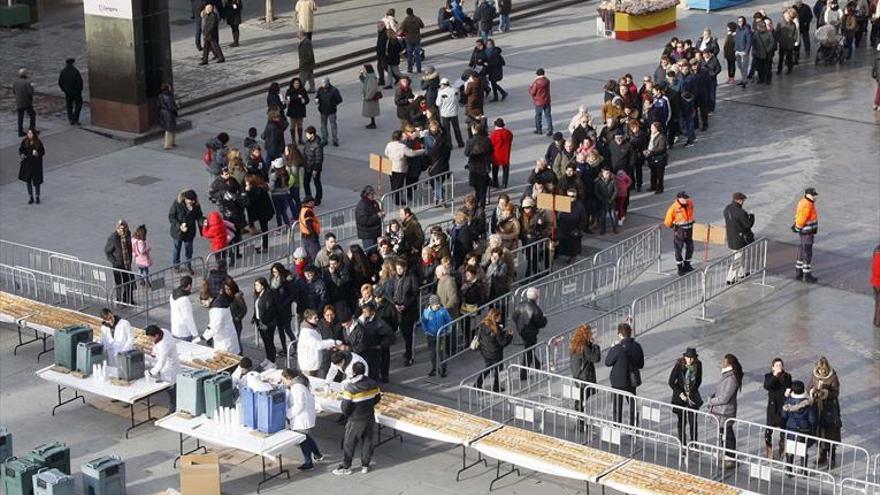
(688, 267)
(681, 270)
(799, 274)
(809, 278)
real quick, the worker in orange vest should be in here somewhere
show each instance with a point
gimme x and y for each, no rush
(806, 224)
(309, 228)
(680, 218)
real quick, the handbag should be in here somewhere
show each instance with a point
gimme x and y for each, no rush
(475, 343)
(635, 378)
(377, 96)
(469, 308)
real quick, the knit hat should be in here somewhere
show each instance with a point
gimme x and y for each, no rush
(528, 202)
(299, 253)
(278, 163)
(434, 299)
(444, 82)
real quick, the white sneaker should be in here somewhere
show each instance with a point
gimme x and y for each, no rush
(265, 364)
(319, 458)
(365, 469)
(341, 471)
(620, 222)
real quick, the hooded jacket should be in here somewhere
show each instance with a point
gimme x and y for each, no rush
(359, 398)
(798, 414)
(215, 231)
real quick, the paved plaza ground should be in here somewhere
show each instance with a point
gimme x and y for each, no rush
(812, 128)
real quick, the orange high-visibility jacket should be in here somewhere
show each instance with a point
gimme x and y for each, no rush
(680, 216)
(806, 220)
(307, 214)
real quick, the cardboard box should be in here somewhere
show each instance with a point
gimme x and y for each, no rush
(200, 474)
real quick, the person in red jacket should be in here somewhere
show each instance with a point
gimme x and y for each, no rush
(502, 140)
(875, 283)
(214, 230)
(539, 90)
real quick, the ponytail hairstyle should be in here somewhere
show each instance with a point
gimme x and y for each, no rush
(733, 362)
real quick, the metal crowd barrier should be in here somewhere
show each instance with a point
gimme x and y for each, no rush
(750, 260)
(579, 288)
(558, 348)
(612, 253)
(459, 332)
(844, 460)
(53, 289)
(850, 486)
(249, 253)
(608, 404)
(17, 280)
(533, 261)
(756, 473)
(643, 252)
(29, 257)
(342, 222)
(419, 196)
(667, 301)
(877, 468)
(567, 424)
(155, 290)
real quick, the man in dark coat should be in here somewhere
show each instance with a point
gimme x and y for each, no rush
(118, 253)
(406, 300)
(626, 359)
(24, 100)
(211, 35)
(738, 224)
(185, 216)
(495, 69)
(71, 83)
(368, 218)
(529, 320)
(805, 18)
(306, 62)
(359, 399)
(777, 383)
(328, 99)
(313, 152)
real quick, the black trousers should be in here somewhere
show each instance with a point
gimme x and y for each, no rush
(267, 335)
(683, 240)
(309, 176)
(786, 57)
(211, 45)
(235, 34)
(385, 362)
(658, 172)
(373, 357)
(805, 40)
(398, 180)
(488, 363)
(529, 358)
(32, 115)
(618, 406)
(729, 438)
(357, 433)
(764, 67)
(505, 174)
(448, 122)
(406, 331)
(496, 88)
(689, 418)
(637, 171)
(74, 105)
(124, 286)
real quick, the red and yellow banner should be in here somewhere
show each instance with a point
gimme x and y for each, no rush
(630, 27)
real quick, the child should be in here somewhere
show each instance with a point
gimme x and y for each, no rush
(251, 140)
(799, 417)
(140, 251)
(623, 181)
(435, 318)
(394, 234)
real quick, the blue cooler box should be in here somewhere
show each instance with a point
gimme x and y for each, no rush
(54, 482)
(248, 408)
(104, 476)
(271, 411)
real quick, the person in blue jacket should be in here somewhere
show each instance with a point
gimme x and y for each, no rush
(435, 319)
(799, 416)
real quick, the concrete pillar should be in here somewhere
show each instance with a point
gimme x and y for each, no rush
(129, 56)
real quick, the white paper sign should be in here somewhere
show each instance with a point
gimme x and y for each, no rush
(611, 435)
(119, 9)
(526, 414)
(651, 413)
(799, 449)
(759, 471)
(569, 392)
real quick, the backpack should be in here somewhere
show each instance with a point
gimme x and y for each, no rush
(208, 157)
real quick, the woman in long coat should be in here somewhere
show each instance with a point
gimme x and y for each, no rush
(371, 95)
(167, 114)
(31, 170)
(825, 391)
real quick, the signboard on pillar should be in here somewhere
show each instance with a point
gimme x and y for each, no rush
(129, 58)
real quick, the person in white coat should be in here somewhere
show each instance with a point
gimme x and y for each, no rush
(447, 104)
(167, 364)
(310, 345)
(221, 328)
(116, 335)
(343, 361)
(245, 366)
(183, 323)
(301, 414)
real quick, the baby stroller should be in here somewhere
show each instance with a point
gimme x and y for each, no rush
(831, 49)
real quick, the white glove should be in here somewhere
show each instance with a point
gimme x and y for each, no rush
(197, 340)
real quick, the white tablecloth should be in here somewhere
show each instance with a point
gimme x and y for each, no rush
(284, 442)
(130, 394)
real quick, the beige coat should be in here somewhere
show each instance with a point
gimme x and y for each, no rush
(305, 15)
(447, 291)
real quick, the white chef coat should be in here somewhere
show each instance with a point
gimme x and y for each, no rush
(222, 330)
(167, 364)
(117, 340)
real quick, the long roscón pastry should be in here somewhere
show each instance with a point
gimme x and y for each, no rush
(462, 426)
(666, 481)
(568, 455)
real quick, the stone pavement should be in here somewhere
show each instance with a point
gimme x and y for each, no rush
(813, 128)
